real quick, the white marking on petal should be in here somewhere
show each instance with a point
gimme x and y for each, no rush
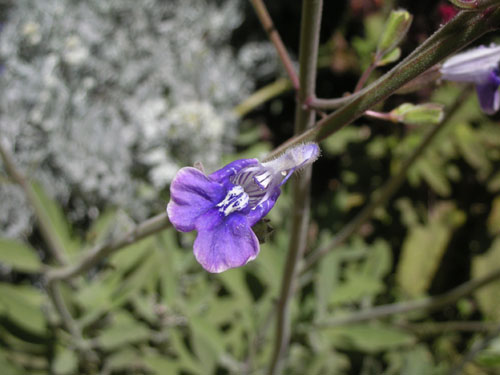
(264, 179)
(236, 199)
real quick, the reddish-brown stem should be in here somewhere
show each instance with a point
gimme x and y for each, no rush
(274, 36)
(364, 77)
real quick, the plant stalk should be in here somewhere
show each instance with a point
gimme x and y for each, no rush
(304, 118)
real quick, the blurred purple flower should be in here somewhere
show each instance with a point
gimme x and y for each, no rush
(224, 206)
(481, 67)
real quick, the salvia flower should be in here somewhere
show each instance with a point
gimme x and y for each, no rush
(481, 67)
(224, 205)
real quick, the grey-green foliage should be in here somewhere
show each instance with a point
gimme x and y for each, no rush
(91, 90)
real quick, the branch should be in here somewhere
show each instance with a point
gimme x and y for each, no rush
(455, 35)
(387, 190)
(87, 356)
(262, 95)
(267, 24)
(429, 303)
(304, 118)
(438, 328)
(327, 104)
(55, 247)
(94, 256)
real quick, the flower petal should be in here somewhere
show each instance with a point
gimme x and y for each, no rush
(263, 209)
(489, 97)
(222, 175)
(231, 243)
(473, 65)
(191, 194)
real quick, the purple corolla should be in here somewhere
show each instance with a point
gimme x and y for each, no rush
(224, 205)
(481, 67)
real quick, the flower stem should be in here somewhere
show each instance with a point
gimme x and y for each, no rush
(274, 36)
(309, 42)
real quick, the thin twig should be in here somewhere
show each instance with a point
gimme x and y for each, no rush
(387, 190)
(428, 303)
(476, 348)
(380, 116)
(54, 291)
(262, 95)
(304, 118)
(88, 356)
(438, 328)
(275, 38)
(364, 77)
(94, 256)
(55, 247)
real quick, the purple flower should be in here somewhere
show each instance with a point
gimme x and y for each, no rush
(481, 67)
(224, 205)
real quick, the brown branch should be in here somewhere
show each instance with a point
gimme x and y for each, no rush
(274, 36)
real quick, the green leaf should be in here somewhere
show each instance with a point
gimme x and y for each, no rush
(356, 287)
(168, 255)
(8, 368)
(57, 220)
(23, 306)
(418, 114)
(350, 134)
(101, 227)
(326, 279)
(389, 57)
(185, 359)
(490, 357)
(207, 343)
(160, 365)
(434, 175)
(124, 330)
(126, 359)
(424, 247)
(395, 30)
(145, 274)
(369, 338)
(488, 296)
(493, 222)
(19, 256)
(65, 362)
(379, 260)
(414, 361)
(471, 148)
(127, 258)
(494, 183)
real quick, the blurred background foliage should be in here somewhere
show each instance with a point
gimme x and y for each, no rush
(104, 100)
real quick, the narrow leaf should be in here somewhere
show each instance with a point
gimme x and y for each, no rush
(19, 256)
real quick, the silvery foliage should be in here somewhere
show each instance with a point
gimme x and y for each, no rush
(103, 99)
